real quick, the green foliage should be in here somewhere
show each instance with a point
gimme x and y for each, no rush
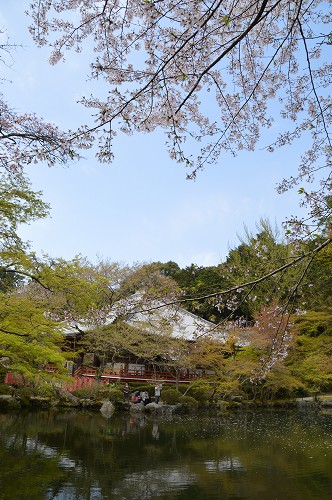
(9, 280)
(317, 288)
(46, 390)
(102, 391)
(115, 395)
(314, 368)
(227, 387)
(248, 353)
(83, 393)
(18, 205)
(256, 256)
(201, 391)
(314, 323)
(188, 402)
(170, 268)
(150, 281)
(280, 384)
(171, 396)
(28, 337)
(24, 394)
(196, 281)
(3, 371)
(97, 392)
(310, 359)
(67, 290)
(6, 389)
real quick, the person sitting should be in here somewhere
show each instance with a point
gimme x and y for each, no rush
(137, 397)
(145, 397)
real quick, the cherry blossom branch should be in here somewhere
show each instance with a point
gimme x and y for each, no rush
(246, 101)
(256, 20)
(313, 84)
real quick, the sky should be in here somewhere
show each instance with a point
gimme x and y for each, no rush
(140, 208)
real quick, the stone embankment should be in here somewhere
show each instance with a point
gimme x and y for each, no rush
(12, 402)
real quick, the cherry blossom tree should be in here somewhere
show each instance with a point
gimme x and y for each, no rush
(215, 72)
(26, 138)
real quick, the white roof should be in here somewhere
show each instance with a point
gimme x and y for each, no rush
(175, 321)
(158, 318)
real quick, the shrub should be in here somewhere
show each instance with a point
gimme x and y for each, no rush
(115, 395)
(46, 390)
(227, 388)
(201, 391)
(314, 323)
(301, 392)
(8, 403)
(6, 389)
(188, 402)
(24, 394)
(101, 392)
(3, 372)
(83, 392)
(171, 396)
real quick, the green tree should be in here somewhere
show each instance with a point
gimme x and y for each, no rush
(198, 281)
(28, 338)
(317, 289)
(18, 205)
(311, 362)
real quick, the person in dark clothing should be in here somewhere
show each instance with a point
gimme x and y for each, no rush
(126, 392)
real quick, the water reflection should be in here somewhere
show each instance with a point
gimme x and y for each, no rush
(223, 465)
(81, 455)
(153, 483)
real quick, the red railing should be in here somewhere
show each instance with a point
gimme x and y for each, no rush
(138, 375)
(85, 376)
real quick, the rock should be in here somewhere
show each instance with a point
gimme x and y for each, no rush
(137, 408)
(68, 399)
(107, 409)
(8, 402)
(39, 402)
(159, 409)
(90, 404)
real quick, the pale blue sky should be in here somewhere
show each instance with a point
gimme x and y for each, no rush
(140, 208)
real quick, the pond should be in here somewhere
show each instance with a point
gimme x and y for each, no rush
(249, 455)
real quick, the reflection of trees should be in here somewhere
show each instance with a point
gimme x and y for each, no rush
(153, 483)
(81, 454)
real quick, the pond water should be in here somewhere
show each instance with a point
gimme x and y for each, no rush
(248, 455)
